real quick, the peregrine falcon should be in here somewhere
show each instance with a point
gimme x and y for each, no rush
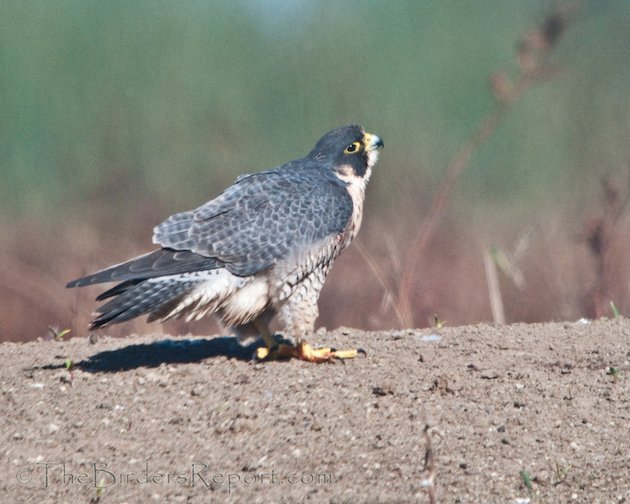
(262, 247)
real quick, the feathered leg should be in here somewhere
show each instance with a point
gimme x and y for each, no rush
(299, 314)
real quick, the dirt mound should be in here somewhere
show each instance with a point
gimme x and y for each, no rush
(514, 413)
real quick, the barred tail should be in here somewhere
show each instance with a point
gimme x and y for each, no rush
(154, 296)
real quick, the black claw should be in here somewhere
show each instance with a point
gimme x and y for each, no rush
(360, 350)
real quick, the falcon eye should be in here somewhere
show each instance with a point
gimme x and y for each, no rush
(353, 147)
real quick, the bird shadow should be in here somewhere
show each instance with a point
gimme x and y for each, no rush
(166, 351)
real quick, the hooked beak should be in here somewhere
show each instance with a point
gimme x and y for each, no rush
(372, 142)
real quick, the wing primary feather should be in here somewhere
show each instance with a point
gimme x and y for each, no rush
(158, 263)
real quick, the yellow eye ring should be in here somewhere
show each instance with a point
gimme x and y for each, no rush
(352, 148)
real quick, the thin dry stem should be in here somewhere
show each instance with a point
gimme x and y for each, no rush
(534, 48)
(455, 168)
(380, 276)
(601, 233)
(494, 290)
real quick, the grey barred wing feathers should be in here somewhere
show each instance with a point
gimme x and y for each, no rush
(262, 219)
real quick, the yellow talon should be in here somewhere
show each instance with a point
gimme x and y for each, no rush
(306, 352)
(345, 354)
(262, 353)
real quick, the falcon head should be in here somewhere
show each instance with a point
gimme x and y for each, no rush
(349, 150)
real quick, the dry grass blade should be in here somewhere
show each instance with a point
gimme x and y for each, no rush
(387, 288)
(494, 291)
(533, 51)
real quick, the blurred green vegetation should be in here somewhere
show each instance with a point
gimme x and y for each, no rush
(112, 105)
(115, 114)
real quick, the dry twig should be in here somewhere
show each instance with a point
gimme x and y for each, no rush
(532, 55)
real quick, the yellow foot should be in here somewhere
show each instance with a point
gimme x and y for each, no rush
(304, 351)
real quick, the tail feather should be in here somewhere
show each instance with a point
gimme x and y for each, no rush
(215, 287)
(145, 297)
(187, 295)
(118, 289)
(163, 284)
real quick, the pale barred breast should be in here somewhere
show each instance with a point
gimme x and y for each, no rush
(307, 268)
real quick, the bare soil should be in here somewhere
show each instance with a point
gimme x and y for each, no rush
(515, 414)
